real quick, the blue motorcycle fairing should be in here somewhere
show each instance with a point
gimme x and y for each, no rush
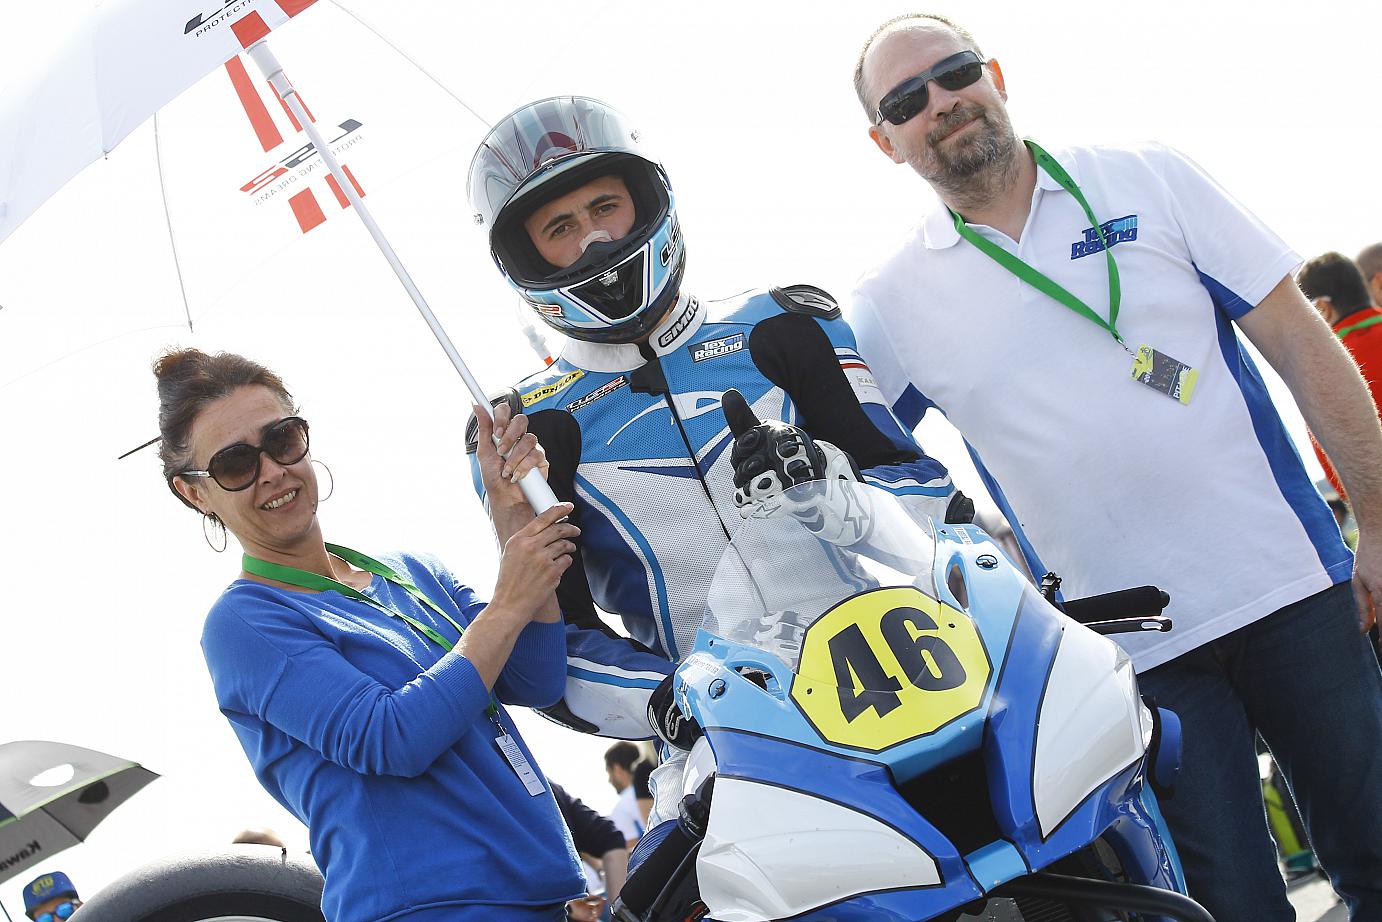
(998, 597)
(1021, 633)
(861, 785)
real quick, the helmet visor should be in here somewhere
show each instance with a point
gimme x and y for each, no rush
(537, 143)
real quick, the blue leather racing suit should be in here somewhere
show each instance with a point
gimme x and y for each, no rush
(637, 441)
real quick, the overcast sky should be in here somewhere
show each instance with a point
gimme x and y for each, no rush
(749, 105)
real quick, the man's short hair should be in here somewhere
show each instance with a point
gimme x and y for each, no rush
(258, 835)
(623, 754)
(859, 89)
(1370, 261)
(1334, 276)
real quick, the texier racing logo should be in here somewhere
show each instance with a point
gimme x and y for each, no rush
(1119, 230)
(714, 348)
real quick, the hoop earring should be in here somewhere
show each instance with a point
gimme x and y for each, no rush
(330, 480)
(212, 525)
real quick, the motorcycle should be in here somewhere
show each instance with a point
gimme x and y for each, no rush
(899, 726)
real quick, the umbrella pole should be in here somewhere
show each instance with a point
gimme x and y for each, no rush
(6, 912)
(535, 488)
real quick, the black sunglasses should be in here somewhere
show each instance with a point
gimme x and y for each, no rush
(910, 96)
(236, 467)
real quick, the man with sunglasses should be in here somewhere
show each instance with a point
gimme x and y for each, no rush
(1073, 314)
(51, 898)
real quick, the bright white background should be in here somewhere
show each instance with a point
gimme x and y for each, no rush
(749, 105)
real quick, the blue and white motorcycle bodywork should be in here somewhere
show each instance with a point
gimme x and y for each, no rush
(904, 728)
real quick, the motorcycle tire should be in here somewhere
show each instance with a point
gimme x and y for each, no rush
(242, 883)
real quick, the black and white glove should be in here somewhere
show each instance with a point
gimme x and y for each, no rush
(770, 458)
(664, 714)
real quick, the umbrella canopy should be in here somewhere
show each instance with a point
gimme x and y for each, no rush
(52, 795)
(101, 87)
(135, 56)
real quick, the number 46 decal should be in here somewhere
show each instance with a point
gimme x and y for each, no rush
(887, 666)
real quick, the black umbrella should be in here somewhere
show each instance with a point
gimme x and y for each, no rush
(52, 795)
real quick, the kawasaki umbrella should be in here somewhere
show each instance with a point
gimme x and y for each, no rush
(52, 795)
(134, 59)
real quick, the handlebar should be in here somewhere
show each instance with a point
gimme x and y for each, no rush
(1142, 602)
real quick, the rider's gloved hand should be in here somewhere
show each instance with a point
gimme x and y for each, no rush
(769, 458)
(671, 725)
(772, 457)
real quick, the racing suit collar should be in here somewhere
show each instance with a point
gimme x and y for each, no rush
(680, 324)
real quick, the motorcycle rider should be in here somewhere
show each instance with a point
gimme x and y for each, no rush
(582, 223)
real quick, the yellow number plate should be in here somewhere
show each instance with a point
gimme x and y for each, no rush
(888, 666)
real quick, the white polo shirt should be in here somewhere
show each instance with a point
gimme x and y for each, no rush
(626, 816)
(1106, 481)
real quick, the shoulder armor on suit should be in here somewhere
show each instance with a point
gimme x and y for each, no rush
(472, 427)
(806, 299)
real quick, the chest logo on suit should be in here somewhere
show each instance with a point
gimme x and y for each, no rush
(1119, 230)
(604, 390)
(714, 348)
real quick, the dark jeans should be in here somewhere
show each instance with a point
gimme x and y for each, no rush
(1308, 681)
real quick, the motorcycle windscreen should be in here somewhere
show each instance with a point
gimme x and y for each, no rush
(799, 555)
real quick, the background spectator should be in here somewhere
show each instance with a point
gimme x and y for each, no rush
(258, 835)
(621, 760)
(1340, 293)
(1370, 264)
(598, 841)
(50, 898)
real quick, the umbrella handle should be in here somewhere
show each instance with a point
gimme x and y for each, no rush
(535, 488)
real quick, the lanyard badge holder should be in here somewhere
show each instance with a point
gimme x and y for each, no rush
(305, 579)
(1151, 367)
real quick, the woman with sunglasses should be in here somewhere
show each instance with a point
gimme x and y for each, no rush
(363, 689)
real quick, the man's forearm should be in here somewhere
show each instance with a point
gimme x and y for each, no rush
(1346, 426)
(615, 864)
(1328, 388)
(508, 519)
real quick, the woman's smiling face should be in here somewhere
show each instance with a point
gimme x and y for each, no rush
(279, 508)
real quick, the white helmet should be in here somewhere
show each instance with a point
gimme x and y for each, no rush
(618, 290)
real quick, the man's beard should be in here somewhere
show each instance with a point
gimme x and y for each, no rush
(974, 167)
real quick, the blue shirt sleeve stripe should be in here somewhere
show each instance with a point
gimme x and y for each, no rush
(1287, 469)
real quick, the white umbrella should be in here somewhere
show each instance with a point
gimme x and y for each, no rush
(131, 59)
(101, 86)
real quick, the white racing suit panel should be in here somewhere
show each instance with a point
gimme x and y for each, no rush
(642, 449)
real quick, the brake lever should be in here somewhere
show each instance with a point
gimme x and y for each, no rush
(1156, 623)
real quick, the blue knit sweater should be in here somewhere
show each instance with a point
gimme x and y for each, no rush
(378, 741)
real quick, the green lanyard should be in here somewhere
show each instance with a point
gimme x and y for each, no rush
(306, 579)
(1362, 325)
(1038, 280)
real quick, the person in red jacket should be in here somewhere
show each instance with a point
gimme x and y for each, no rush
(1335, 285)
